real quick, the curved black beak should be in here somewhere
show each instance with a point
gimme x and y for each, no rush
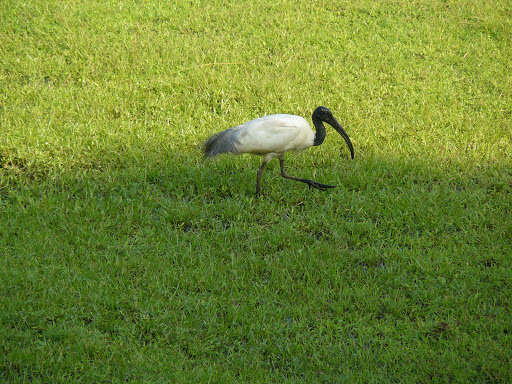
(334, 123)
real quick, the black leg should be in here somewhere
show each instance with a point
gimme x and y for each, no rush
(258, 178)
(310, 183)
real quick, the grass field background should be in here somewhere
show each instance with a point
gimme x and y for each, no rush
(124, 257)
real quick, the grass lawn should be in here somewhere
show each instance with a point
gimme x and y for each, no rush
(124, 257)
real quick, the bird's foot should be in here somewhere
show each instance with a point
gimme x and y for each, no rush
(322, 187)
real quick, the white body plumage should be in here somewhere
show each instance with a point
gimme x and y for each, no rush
(274, 134)
(269, 136)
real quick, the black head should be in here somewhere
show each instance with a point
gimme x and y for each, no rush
(324, 114)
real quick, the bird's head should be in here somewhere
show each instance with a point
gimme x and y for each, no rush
(324, 114)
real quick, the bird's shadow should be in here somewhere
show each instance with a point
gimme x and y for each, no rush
(189, 177)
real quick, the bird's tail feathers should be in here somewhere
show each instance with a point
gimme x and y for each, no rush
(222, 142)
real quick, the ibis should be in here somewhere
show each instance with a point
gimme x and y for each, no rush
(272, 136)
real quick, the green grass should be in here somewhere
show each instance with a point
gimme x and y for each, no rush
(126, 258)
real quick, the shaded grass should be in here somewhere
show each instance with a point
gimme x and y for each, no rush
(125, 257)
(147, 279)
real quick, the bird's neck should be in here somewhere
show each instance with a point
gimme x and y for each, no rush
(320, 131)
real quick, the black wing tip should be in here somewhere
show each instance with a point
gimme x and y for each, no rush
(222, 142)
(217, 145)
(207, 156)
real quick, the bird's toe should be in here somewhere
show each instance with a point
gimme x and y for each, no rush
(323, 187)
